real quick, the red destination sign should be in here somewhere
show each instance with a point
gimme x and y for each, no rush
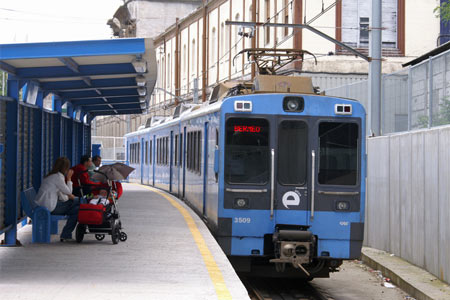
(254, 129)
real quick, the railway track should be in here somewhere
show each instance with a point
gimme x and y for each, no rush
(281, 289)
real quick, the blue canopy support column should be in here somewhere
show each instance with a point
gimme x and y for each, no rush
(12, 141)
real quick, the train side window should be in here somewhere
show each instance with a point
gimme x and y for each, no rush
(161, 146)
(139, 152)
(130, 154)
(338, 164)
(175, 161)
(167, 150)
(190, 150)
(199, 156)
(216, 175)
(157, 151)
(146, 152)
(181, 150)
(151, 152)
(194, 156)
(164, 151)
(292, 152)
(247, 151)
(188, 145)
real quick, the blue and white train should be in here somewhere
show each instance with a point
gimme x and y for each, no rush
(279, 178)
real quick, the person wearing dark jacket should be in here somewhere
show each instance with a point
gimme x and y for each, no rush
(81, 177)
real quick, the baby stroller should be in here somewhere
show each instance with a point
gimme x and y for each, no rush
(99, 219)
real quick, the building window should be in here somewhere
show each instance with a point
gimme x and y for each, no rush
(193, 56)
(169, 72)
(364, 32)
(248, 41)
(286, 16)
(184, 61)
(213, 48)
(235, 43)
(356, 19)
(227, 38)
(163, 73)
(222, 41)
(267, 14)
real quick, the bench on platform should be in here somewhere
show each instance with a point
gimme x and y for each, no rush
(44, 223)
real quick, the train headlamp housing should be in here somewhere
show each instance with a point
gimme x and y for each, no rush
(293, 104)
(342, 205)
(245, 106)
(343, 109)
(241, 203)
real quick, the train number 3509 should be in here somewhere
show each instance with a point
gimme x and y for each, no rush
(242, 220)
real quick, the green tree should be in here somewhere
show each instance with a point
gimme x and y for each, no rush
(443, 11)
(440, 118)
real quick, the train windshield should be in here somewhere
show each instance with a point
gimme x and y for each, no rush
(338, 153)
(292, 150)
(247, 151)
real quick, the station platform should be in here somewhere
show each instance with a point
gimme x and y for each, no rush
(169, 254)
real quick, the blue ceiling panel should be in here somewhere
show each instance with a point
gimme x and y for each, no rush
(107, 85)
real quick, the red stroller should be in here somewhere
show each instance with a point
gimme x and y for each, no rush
(100, 219)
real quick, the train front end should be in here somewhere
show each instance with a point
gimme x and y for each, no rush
(292, 188)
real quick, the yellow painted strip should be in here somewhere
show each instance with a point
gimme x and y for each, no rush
(211, 265)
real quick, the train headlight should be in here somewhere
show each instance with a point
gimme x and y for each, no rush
(288, 250)
(245, 106)
(342, 205)
(240, 203)
(293, 104)
(343, 109)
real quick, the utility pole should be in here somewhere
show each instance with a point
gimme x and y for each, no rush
(374, 113)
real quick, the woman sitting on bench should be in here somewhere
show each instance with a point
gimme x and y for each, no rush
(58, 182)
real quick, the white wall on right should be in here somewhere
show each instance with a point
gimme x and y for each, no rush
(422, 28)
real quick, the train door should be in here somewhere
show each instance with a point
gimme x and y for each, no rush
(184, 162)
(336, 148)
(205, 169)
(290, 170)
(171, 162)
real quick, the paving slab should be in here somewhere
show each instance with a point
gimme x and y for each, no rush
(161, 259)
(417, 282)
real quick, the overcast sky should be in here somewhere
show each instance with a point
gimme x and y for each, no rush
(55, 20)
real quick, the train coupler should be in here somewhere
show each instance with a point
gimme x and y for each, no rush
(295, 247)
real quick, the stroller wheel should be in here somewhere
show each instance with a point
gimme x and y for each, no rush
(115, 233)
(79, 234)
(99, 237)
(123, 236)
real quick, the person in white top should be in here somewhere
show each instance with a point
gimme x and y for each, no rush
(56, 195)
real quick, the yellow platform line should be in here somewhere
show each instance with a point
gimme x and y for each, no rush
(213, 269)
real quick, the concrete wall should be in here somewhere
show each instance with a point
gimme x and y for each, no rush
(153, 17)
(408, 198)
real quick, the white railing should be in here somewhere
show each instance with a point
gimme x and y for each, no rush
(112, 149)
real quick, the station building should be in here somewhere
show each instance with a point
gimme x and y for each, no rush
(198, 50)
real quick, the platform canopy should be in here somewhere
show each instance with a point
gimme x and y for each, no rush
(99, 77)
